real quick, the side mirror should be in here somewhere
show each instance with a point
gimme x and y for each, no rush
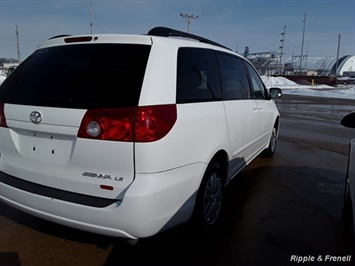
(348, 120)
(275, 93)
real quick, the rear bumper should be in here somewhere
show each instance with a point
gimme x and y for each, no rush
(152, 203)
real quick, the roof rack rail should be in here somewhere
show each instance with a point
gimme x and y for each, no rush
(167, 32)
(59, 36)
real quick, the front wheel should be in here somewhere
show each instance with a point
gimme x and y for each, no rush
(209, 197)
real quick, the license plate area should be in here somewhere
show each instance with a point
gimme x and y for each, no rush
(45, 147)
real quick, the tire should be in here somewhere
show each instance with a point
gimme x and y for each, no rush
(270, 151)
(209, 197)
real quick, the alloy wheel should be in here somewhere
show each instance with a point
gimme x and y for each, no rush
(212, 200)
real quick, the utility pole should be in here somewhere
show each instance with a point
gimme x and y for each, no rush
(18, 46)
(282, 47)
(188, 18)
(337, 64)
(90, 18)
(304, 29)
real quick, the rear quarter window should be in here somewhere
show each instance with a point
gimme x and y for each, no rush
(198, 78)
(79, 76)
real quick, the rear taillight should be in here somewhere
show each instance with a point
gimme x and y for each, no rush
(154, 122)
(141, 124)
(108, 124)
(2, 116)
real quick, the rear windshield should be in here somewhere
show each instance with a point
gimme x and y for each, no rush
(79, 76)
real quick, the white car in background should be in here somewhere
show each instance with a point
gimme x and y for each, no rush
(349, 192)
(128, 135)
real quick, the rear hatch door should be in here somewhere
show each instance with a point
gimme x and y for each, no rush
(44, 102)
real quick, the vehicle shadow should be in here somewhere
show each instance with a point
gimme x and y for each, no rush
(270, 213)
(185, 244)
(53, 229)
(267, 218)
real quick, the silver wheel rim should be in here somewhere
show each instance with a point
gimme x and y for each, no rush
(212, 200)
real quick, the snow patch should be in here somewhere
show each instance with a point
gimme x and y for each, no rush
(320, 90)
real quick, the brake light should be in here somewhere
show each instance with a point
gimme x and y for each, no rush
(78, 39)
(2, 116)
(107, 124)
(141, 124)
(154, 122)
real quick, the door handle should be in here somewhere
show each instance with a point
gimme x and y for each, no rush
(257, 107)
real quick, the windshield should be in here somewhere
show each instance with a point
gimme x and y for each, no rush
(79, 76)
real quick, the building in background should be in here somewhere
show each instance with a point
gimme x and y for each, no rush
(321, 66)
(268, 64)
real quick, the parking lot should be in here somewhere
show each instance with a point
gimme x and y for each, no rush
(277, 210)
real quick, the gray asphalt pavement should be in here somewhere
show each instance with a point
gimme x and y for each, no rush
(278, 211)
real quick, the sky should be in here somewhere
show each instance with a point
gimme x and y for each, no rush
(236, 24)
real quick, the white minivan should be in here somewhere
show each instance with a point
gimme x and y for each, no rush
(129, 135)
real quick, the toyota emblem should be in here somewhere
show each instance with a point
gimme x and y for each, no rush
(36, 117)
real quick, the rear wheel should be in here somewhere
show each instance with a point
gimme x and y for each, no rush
(209, 196)
(270, 151)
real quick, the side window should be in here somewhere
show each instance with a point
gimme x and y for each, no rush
(258, 89)
(235, 83)
(197, 76)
